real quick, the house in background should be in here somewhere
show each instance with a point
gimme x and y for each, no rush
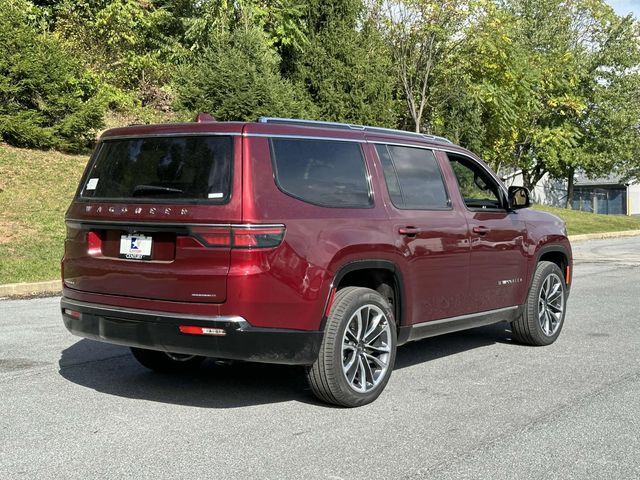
(548, 190)
(606, 195)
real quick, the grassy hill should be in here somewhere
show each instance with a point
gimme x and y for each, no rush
(584, 222)
(36, 188)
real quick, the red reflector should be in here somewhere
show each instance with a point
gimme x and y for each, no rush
(72, 313)
(568, 276)
(193, 330)
(94, 244)
(330, 302)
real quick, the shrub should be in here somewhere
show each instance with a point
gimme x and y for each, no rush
(47, 98)
(237, 78)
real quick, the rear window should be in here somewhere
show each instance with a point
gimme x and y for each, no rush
(180, 168)
(323, 172)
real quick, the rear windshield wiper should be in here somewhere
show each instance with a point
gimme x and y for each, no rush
(140, 190)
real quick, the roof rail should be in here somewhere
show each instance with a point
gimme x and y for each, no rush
(350, 126)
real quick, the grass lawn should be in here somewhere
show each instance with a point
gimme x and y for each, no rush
(36, 188)
(584, 222)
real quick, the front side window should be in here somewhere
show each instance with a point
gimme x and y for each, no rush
(322, 172)
(478, 189)
(413, 178)
(183, 168)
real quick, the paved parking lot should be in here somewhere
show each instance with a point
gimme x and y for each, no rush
(466, 405)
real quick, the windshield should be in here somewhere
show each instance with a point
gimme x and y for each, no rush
(160, 168)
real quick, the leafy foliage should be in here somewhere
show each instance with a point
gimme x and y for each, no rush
(346, 65)
(424, 37)
(237, 78)
(47, 99)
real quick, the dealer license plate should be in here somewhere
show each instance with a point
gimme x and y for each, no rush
(136, 247)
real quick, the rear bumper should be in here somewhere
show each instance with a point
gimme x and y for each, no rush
(160, 331)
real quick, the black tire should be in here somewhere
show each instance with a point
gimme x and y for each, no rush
(166, 362)
(528, 328)
(326, 377)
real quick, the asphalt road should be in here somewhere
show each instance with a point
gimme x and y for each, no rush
(465, 405)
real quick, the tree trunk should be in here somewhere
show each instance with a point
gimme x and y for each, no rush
(526, 180)
(569, 202)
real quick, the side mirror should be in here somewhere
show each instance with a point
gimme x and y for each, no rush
(519, 197)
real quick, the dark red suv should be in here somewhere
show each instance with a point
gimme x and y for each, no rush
(290, 241)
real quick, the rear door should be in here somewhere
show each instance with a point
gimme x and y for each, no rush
(431, 234)
(151, 218)
(497, 270)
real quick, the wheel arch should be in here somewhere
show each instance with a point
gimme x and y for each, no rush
(557, 254)
(372, 274)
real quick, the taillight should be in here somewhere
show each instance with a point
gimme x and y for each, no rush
(256, 236)
(213, 236)
(240, 236)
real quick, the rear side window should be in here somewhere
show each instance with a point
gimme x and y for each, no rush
(413, 178)
(183, 168)
(323, 172)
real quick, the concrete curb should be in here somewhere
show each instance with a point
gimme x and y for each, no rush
(53, 287)
(603, 235)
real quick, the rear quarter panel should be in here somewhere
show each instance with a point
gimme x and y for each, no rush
(288, 287)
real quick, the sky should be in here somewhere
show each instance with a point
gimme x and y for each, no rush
(624, 7)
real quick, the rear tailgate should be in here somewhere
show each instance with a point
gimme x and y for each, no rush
(152, 215)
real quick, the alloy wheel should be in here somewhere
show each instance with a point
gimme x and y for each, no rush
(366, 348)
(551, 304)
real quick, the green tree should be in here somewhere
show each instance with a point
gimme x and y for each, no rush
(128, 44)
(47, 98)
(424, 37)
(346, 66)
(281, 20)
(237, 78)
(521, 84)
(609, 85)
(548, 87)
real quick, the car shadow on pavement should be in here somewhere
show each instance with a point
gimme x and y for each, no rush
(112, 370)
(433, 348)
